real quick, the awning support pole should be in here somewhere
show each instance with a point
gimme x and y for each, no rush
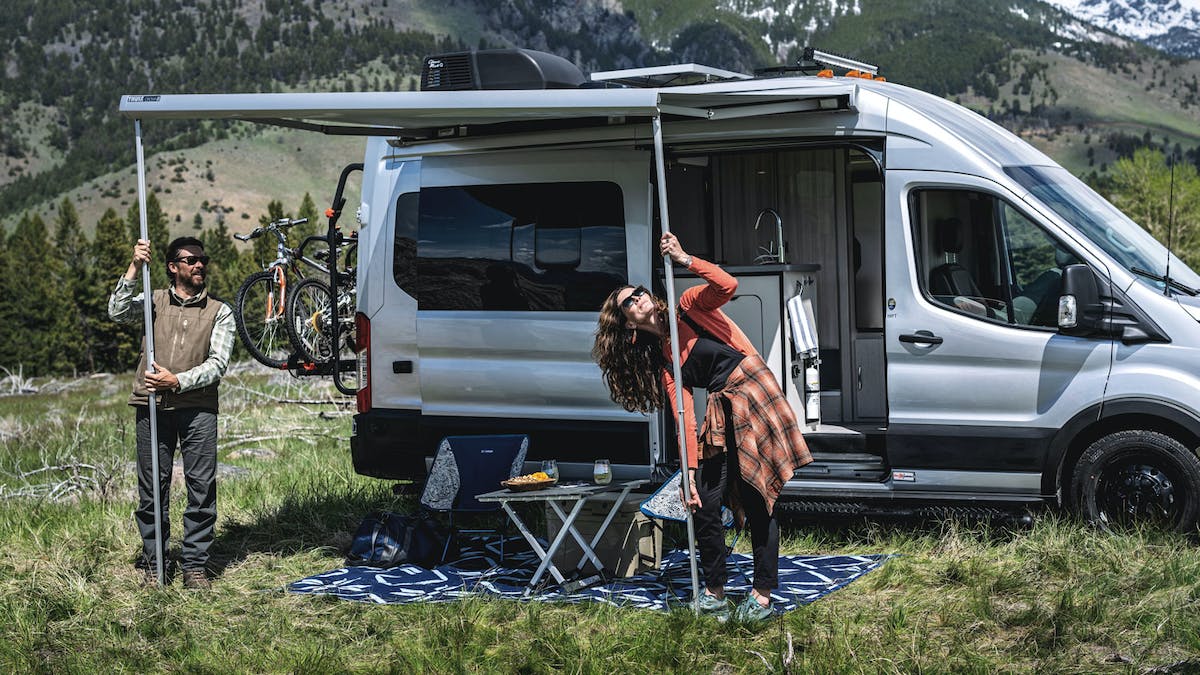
(148, 322)
(660, 166)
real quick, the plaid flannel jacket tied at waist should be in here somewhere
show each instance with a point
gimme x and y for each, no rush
(769, 444)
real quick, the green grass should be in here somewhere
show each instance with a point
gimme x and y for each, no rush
(959, 597)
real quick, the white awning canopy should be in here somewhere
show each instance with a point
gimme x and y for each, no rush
(384, 113)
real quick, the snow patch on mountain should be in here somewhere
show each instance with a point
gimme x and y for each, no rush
(1141, 19)
(1170, 25)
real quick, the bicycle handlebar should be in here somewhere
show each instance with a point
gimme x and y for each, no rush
(277, 226)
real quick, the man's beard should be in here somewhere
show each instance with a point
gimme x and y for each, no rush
(187, 284)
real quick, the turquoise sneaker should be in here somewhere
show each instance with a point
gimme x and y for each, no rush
(717, 608)
(750, 612)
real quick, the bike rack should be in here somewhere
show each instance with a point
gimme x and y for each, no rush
(333, 239)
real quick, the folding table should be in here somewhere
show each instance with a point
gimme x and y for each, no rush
(574, 496)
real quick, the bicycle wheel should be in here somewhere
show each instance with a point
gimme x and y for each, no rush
(310, 321)
(260, 319)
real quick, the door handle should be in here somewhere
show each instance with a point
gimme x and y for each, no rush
(921, 337)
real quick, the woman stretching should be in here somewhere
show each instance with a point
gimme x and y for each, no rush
(750, 443)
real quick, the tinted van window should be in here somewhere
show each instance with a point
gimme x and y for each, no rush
(519, 247)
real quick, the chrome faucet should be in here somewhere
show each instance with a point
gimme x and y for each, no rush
(778, 230)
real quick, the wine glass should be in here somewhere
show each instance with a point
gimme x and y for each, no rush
(550, 468)
(602, 472)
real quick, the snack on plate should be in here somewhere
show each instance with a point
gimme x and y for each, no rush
(536, 477)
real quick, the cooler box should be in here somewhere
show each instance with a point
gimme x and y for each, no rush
(631, 545)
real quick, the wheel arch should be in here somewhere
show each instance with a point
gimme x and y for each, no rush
(1109, 417)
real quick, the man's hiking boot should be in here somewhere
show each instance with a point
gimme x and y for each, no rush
(711, 605)
(196, 580)
(750, 612)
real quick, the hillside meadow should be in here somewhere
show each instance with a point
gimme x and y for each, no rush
(959, 596)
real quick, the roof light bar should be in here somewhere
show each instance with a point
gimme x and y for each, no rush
(829, 59)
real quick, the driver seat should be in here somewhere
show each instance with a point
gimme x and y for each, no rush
(951, 279)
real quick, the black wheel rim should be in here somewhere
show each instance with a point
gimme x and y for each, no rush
(1139, 489)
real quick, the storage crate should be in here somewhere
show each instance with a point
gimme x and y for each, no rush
(631, 545)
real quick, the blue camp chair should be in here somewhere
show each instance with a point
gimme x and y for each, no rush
(466, 466)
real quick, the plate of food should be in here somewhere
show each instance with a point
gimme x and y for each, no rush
(530, 481)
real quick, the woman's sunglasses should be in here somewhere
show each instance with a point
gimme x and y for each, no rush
(637, 293)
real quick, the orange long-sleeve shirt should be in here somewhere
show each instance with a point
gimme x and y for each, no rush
(703, 305)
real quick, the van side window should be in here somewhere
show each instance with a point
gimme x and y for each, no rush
(520, 247)
(404, 245)
(979, 255)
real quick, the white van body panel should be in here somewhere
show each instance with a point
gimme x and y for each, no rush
(516, 363)
(392, 312)
(1166, 372)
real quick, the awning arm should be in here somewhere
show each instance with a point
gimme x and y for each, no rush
(330, 129)
(660, 167)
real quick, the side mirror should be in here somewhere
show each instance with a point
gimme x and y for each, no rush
(1080, 310)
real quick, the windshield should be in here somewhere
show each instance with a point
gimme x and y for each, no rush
(1124, 240)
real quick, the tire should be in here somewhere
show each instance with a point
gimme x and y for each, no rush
(310, 322)
(1138, 478)
(265, 337)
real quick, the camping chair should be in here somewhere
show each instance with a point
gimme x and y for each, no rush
(665, 505)
(466, 466)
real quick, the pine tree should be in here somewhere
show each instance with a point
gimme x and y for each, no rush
(36, 300)
(226, 271)
(114, 346)
(156, 227)
(74, 274)
(308, 209)
(263, 250)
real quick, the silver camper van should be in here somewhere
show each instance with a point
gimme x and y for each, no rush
(954, 315)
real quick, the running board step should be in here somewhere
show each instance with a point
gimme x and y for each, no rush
(799, 508)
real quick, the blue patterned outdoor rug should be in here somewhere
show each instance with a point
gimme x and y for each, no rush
(802, 579)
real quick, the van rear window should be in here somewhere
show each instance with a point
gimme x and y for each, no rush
(517, 247)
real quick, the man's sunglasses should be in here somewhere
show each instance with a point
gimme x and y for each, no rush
(637, 293)
(191, 259)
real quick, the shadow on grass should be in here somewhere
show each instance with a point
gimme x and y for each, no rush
(990, 523)
(315, 516)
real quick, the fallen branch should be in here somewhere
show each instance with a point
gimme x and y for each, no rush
(83, 478)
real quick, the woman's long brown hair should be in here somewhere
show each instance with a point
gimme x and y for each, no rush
(631, 360)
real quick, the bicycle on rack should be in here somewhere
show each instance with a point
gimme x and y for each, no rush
(262, 299)
(320, 316)
(310, 320)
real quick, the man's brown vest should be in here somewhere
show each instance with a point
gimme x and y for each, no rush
(182, 335)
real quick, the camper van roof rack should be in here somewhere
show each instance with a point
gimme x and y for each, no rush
(667, 76)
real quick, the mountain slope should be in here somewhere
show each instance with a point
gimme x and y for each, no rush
(1172, 26)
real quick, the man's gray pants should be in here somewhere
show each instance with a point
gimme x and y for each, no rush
(194, 432)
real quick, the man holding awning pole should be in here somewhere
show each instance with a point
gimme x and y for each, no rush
(194, 334)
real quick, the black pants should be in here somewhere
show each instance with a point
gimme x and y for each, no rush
(712, 478)
(194, 432)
